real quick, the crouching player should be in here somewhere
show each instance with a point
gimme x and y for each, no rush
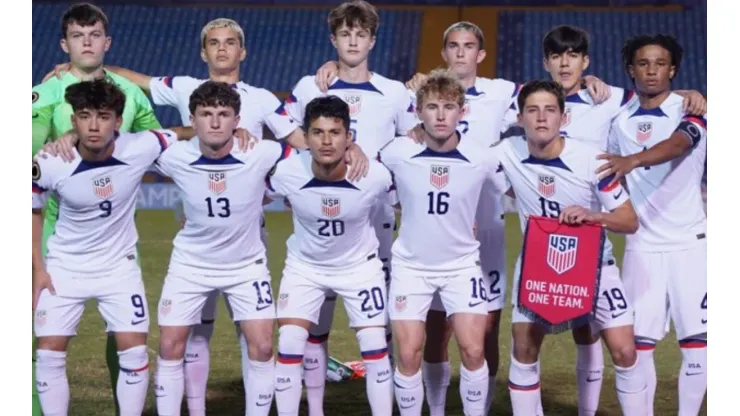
(219, 248)
(333, 249)
(92, 253)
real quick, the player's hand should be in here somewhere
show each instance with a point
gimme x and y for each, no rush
(597, 89)
(58, 71)
(245, 139)
(414, 83)
(577, 215)
(694, 103)
(63, 146)
(326, 74)
(417, 134)
(619, 166)
(358, 162)
(41, 281)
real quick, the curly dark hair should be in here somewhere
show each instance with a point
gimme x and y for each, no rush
(99, 94)
(667, 42)
(541, 85)
(215, 94)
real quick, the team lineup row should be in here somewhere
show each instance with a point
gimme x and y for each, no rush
(374, 101)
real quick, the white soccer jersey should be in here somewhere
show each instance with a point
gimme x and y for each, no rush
(546, 187)
(259, 107)
(223, 204)
(488, 102)
(584, 120)
(667, 197)
(95, 229)
(332, 220)
(438, 193)
(379, 109)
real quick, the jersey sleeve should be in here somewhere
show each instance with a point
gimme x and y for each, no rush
(165, 90)
(510, 126)
(40, 181)
(295, 105)
(495, 174)
(144, 118)
(157, 141)
(694, 127)
(41, 127)
(405, 115)
(610, 196)
(277, 121)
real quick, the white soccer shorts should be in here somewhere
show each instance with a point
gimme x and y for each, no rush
(121, 301)
(612, 308)
(249, 294)
(303, 289)
(668, 285)
(412, 291)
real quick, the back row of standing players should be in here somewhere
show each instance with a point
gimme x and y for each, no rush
(374, 101)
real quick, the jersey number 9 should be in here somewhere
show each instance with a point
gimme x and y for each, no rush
(106, 207)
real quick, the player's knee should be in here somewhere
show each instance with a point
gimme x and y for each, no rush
(583, 335)
(126, 340)
(525, 352)
(134, 359)
(171, 347)
(260, 345)
(624, 355)
(373, 345)
(292, 338)
(409, 356)
(472, 355)
(58, 344)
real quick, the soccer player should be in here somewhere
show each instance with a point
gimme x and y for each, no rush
(333, 249)
(85, 39)
(379, 109)
(219, 248)
(663, 150)
(97, 193)
(439, 183)
(579, 197)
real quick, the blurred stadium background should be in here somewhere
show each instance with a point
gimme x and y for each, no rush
(288, 39)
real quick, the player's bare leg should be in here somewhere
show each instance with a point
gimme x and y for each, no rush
(524, 370)
(589, 369)
(492, 354)
(169, 384)
(261, 371)
(470, 333)
(51, 375)
(316, 357)
(133, 379)
(378, 374)
(692, 382)
(630, 381)
(437, 372)
(409, 391)
(198, 357)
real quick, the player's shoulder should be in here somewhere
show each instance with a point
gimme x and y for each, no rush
(497, 87)
(48, 168)
(179, 82)
(306, 87)
(389, 87)
(399, 148)
(378, 172)
(49, 92)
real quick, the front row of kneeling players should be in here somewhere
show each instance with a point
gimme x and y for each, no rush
(333, 248)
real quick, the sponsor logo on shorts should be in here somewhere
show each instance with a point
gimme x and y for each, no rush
(400, 303)
(263, 307)
(617, 315)
(474, 304)
(283, 300)
(137, 321)
(373, 315)
(40, 317)
(165, 306)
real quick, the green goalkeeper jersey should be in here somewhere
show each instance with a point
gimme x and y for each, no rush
(52, 118)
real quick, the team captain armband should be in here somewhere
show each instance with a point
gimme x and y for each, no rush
(693, 127)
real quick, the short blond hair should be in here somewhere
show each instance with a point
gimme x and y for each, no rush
(220, 23)
(470, 27)
(444, 84)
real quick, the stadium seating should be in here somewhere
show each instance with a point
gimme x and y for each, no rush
(519, 56)
(282, 44)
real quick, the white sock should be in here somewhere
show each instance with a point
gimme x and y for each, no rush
(51, 382)
(474, 390)
(631, 389)
(133, 380)
(692, 383)
(491, 392)
(524, 388)
(316, 357)
(589, 374)
(197, 367)
(409, 393)
(378, 374)
(260, 387)
(645, 350)
(169, 386)
(436, 381)
(291, 345)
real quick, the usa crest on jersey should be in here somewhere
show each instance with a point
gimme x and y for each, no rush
(439, 176)
(546, 185)
(566, 117)
(330, 206)
(644, 130)
(561, 252)
(354, 101)
(103, 187)
(217, 182)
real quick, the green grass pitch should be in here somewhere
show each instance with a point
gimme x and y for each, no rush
(91, 393)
